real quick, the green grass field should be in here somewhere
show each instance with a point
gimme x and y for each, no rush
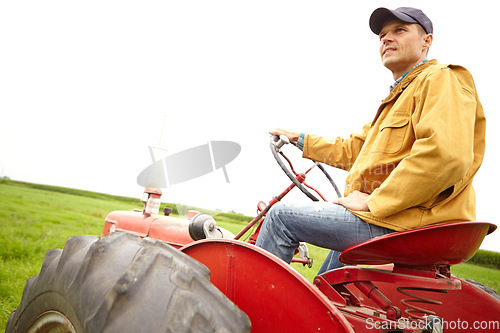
(35, 219)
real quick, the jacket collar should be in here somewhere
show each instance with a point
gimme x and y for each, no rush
(408, 79)
(403, 84)
(403, 76)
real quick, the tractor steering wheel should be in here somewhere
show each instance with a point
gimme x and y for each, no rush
(279, 141)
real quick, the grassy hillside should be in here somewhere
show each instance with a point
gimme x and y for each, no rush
(36, 218)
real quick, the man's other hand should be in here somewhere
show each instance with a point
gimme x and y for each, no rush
(356, 200)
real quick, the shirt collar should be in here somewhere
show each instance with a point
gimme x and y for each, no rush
(402, 77)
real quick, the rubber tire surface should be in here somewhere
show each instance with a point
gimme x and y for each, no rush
(123, 283)
(484, 288)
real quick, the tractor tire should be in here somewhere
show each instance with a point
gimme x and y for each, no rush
(488, 290)
(123, 283)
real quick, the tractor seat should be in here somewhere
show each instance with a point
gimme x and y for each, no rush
(438, 244)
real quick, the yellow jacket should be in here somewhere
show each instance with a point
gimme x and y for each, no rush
(418, 156)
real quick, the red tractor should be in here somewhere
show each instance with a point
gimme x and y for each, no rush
(157, 273)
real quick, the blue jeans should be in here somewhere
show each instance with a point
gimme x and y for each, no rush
(323, 224)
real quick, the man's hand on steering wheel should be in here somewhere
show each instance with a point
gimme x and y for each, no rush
(292, 136)
(297, 179)
(355, 201)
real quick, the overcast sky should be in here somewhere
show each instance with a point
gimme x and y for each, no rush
(87, 86)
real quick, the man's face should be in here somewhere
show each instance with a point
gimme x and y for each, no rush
(402, 46)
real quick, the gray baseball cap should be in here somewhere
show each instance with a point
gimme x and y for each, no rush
(405, 14)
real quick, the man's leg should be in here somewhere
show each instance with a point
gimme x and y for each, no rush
(331, 262)
(323, 224)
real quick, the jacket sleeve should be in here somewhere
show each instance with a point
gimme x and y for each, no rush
(340, 153)
(443, 125)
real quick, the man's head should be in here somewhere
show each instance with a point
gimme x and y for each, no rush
(405, 37)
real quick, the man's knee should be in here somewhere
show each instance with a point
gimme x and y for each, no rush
(277, 208)
(278, 211)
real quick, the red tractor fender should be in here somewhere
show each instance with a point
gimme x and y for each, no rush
(274, 295)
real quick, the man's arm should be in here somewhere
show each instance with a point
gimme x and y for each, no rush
(339, 153)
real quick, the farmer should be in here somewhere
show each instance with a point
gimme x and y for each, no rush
(410, 167)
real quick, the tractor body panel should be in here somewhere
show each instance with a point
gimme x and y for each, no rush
(128, 221)
(170, 229)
